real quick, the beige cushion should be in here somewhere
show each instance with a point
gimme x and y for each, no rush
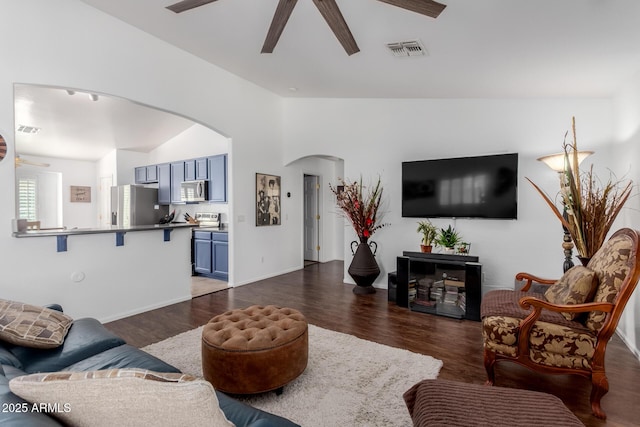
(123, 397)
(576, 286)
(32, 326)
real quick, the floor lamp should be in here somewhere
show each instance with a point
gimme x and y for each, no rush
(557, 163)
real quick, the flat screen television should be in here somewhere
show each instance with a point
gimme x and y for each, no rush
(463, 187)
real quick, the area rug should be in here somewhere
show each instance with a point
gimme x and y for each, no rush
(348, 381)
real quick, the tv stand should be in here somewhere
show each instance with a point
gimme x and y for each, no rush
(442, 284)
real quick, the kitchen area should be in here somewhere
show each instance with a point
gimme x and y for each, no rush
(194, 192)
(145, 169)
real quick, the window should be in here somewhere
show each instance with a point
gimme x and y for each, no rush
(27, 198)
(39, 197)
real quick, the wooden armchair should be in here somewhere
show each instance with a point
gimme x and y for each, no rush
(564, 330)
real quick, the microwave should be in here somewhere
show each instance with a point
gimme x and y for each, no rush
(194, 191)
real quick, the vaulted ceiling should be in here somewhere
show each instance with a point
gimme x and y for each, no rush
(475, 48)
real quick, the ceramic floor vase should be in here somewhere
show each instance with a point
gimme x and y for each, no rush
(363, 268)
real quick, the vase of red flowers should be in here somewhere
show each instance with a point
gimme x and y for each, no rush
(360, 205)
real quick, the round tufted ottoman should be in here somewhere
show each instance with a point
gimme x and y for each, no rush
(254, 350)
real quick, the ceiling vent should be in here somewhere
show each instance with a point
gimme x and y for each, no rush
(408, 48)
(28, 129)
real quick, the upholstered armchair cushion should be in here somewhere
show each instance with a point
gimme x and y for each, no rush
(612, 265)
(553, 340)
(577, 286)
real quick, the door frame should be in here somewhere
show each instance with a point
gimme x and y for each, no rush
(317, 224)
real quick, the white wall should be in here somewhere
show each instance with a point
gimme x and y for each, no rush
(374, 136)
(67, 43)
(627, 152)
(76, 173)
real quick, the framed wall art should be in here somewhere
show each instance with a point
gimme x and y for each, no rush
(80, 194)
(268, 209)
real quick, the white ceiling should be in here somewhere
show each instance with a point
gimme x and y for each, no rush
(477, 48)
(76, 127)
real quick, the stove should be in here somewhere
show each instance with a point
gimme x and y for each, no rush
(208, 219)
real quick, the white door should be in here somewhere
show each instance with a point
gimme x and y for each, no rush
(104, 197)
(311, 218)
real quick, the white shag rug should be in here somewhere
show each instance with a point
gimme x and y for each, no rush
(348, 381)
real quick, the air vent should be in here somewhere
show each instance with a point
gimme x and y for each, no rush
(28, 129)
(408, 48)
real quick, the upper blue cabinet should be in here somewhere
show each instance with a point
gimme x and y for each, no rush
(217, 166)
(169, 176)
(196, 169)
(146, 174)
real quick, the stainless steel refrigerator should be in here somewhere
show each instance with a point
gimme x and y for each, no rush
(135, 205)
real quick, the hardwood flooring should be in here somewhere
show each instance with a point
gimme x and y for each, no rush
(319, 293)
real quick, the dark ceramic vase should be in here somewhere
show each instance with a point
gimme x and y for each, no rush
(363, 268)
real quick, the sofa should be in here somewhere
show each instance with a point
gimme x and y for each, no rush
(88, 346)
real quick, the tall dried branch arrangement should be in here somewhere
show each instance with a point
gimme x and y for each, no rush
(360, 205)
(591, 205)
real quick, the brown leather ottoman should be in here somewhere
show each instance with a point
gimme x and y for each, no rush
(254, 350)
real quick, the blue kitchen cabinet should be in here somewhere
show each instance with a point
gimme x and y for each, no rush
(146, 174)
(220, 255)
(217, 166)
(177, 177)
(164, 184)
(211, 254)
(196, 169)
(202, 251)
(202, 168)
(189, 170)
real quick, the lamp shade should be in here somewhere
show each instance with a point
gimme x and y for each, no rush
(556, 161)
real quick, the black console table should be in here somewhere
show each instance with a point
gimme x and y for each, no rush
(442, 284)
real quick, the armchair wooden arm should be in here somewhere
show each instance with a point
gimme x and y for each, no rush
(530, 278)
(528, 302)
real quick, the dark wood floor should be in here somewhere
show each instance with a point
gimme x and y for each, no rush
(318, 292)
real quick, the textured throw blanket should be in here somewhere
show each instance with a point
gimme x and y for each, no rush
(505, 303)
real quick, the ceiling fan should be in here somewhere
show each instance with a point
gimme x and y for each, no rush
(331, 13)
(22, 161)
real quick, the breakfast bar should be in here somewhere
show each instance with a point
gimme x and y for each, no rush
(63, 234)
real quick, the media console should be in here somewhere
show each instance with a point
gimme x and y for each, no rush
(442, 284)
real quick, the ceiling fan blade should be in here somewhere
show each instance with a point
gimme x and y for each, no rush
(21, 161)
(188, 4)
(331, 13)
(280, 18)
(425, 7)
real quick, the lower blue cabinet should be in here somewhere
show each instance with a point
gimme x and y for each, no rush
(211, 254)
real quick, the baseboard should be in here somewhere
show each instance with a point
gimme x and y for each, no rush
(267, 276)
(144, 309)
(627, 342)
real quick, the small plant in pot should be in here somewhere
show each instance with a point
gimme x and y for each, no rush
(429, 233)
(448, 238)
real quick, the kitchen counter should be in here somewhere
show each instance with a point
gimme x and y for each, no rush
(216, 229)
(61, 235)
(99, 230)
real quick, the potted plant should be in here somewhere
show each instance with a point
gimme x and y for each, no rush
(448, 238)
(429, 233)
